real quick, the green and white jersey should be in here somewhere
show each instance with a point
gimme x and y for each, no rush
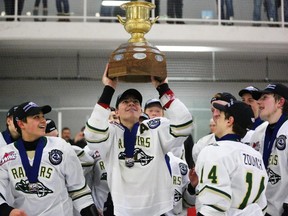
(232, 177)
(146, 188)
(277, 170)
(180, 180)
(61, 183)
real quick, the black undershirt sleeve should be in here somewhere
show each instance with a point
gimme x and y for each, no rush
(106, 96)
(5, 209)
(89, 211)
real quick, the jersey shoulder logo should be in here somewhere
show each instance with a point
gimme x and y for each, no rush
(104, 176)
(256, 145)
(280, 142)
(117, 124)
(96, 155)
(139, 157)
(177, 196)
(36, 188)
(8, 157)
(183, 168)
(154, 123)
(273, 177)
(55, 156)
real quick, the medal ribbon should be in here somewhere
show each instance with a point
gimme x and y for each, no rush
(232, 137)
(7, 136)
(270, 136)
(130, 139)
(31, 171)
(257, 122)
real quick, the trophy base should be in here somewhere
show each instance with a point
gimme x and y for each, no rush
(137, 62)
(137, 78)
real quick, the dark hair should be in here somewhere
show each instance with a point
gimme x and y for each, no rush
(17, 126)
(285, 105)
(236, 128)
(285, 108)
(65, 128)
(112, 109)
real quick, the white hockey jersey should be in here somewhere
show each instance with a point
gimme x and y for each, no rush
(202, 143)
(232, 176)
(2, 141)
(9, 198)
(277, 169)
(210, 139)
(145, 188)
(180, 181)
(61, 182)
(95, 175)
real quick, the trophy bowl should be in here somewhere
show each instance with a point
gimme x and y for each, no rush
(137, 60)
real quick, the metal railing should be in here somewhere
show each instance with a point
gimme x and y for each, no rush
(96, 18)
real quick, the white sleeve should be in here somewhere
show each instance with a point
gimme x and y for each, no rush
(214, 188)
(75, 181)
(202, 143)
(3, 183)
(179, 126)
(97, 130)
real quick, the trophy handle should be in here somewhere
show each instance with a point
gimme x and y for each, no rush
(121, 20)
(155, 20)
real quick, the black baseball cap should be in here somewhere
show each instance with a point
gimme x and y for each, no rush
(29, 109)
(50, 126)
(129, 92)
(250, 90)
(277, 88)
(152, 101)
(242, 113)
(11, 111)
(224, 96)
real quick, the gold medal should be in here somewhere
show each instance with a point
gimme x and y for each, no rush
(33, 187)
(129, 162)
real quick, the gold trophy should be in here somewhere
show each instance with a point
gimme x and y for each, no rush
(137, 60)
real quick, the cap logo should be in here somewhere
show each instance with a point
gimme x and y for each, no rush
(29, 106)
(251, 88)
(271, 86)
(231, 103)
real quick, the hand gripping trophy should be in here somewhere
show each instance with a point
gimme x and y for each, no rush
(137, 60)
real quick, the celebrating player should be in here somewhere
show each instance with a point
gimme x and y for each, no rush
(222, 98)
(232, 175)
(43, 173)
(134, 155)
(184, 194)
(272, 143)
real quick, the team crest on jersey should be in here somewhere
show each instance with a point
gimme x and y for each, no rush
(139, 157)
(177, 196)
(273, 177)
(8, 157)
(96, 155)
(154, 123)
(104, 176)
(183, 168)
(280, 142)
(256, 146)
(55, 156)
(38, 188)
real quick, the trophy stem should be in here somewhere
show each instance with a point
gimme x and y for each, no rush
(137, 37)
